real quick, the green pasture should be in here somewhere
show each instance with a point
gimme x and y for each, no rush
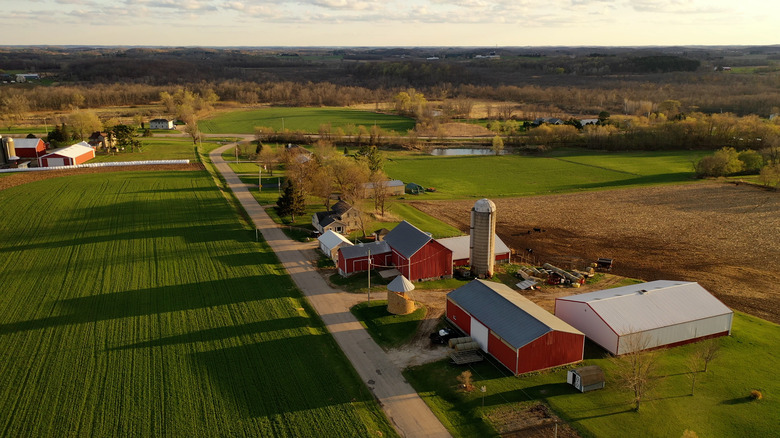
(721, 406)
(526, 175)
(301, 119)
(153, 148)
(386, 329)
(136, 304)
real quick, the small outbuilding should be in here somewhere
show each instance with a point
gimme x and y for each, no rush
(29, 147)
(330, 242)
(515, 331)
(414, 189)
(587, 378)
(161, 124)
(69, 156)
(647, 315)
(394, 187)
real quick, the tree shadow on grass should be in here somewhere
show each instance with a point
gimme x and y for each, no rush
(158, 300)
(282, 376)
(736, 401)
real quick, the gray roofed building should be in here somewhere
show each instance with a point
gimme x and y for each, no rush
(516, 319)
(407, 239)
(361, 250)
(460, 246)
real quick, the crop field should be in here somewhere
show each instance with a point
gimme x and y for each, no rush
(720, 406)
(162, 148)
(301, 119)
(523, 175)
(136, 304)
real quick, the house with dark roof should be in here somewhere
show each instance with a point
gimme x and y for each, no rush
(511, 328)
(416, 254)
(341, 218)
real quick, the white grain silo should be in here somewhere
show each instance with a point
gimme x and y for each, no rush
(482, 241)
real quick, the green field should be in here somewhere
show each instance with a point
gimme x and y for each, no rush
(301, 119)
(721, 406)
(154, 148)
(136, 304)
(386, 329)
(523, 175)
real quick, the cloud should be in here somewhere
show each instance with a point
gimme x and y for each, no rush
(675, 7)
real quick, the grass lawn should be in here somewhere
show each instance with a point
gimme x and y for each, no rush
(719, 408)
(522, 175)
(388, 330)
(301, 119)
(136, 304)
(161, 148)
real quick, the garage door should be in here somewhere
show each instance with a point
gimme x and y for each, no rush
(55, 162)
(479, 333)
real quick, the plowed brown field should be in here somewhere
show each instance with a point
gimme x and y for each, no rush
(724, 236)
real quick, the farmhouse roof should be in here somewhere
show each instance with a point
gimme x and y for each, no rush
(340, 208)
(514, 318)
(331, 239)
(361, 250)
(26, 143)
(72, 151)
(160, 120)
(645, 306)
(460, 246)
(407, 239)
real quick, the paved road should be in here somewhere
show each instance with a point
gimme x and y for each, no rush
(405, 409)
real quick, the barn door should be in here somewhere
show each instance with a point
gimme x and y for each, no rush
(479, 333)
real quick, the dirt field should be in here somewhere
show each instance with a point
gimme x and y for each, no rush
(17, 179)
(724, 236)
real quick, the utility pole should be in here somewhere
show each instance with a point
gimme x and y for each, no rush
(259, 177)
(369, 276)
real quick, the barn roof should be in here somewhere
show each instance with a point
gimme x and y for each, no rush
(646, 306)
(389, 183)
(72, 151)
(332, 239)
(26, 143)
(361, 250)
(460, 246)
(510, 315)
(407, 239)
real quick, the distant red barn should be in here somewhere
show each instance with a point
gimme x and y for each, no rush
(518, 333)
(417, 255)
(29, 147)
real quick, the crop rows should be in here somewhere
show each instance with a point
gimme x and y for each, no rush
(134, 304)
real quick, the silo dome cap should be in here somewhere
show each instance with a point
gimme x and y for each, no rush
(484, 205)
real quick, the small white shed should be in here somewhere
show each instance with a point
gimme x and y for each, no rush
(330, 242)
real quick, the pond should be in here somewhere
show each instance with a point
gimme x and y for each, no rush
(465, 151)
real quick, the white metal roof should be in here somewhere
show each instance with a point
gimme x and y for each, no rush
(332, 239)
(26, 143)
(460, 246)
(72, 151)
(646, 306)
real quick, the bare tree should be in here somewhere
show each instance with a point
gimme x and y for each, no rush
(379, 191)
(634, 370)
(709, 351)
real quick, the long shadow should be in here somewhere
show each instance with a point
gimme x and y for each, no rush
(156, 300)
(637, 181)
(219, 333)
(736, 401)
(281, 376)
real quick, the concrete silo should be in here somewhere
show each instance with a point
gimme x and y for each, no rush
(482, 241)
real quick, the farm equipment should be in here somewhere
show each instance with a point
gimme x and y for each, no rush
(604, 265)
(442, 336)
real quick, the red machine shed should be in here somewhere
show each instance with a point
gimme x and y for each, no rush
(69, 156)
(518, 333)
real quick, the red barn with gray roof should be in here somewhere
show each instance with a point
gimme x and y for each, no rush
(417, 255)
(518, 333)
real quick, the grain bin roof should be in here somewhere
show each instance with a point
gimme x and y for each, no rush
(646, 306)
(460, 246)
(407, 239)
(400, 284)
(510, 315)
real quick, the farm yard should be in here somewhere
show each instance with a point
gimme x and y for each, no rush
(135, 303)
(724, 236)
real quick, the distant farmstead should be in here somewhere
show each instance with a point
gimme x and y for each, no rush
(161, 124)
(518, 333)
(70, 156)
(647, 315)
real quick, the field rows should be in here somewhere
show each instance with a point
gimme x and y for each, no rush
(134, 304)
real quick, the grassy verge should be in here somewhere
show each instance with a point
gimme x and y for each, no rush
(386, 329)
(719, 408)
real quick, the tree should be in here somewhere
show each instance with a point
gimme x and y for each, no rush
(603, 118)
(723, 162)
(709, 351)
(770, 175)
(465, 381)
(292, 202)
(375, 160)
(634, 370)
(126, 137)
(379, 191)
(191, 128)
(84, 122)
(14, 108)
(751, 160)
(268, 157)
(498, 145)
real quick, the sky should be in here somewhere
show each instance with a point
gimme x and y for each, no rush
(390, 22)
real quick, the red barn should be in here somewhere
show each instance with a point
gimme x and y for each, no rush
(354, 258)
(29, 147)
(417, 255)
(69, 156)
(515, 331)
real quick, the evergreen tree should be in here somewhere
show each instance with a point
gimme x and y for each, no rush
(292, 201)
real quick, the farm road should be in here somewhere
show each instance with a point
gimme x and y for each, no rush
(405, 409)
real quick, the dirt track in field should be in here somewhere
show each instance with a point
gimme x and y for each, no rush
(20, 178)
(724, 236)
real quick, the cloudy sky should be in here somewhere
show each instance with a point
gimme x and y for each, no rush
(389, 22)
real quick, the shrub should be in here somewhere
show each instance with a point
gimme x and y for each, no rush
(723, 162)
(751, 160)
(466, 384)
(756, 394)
